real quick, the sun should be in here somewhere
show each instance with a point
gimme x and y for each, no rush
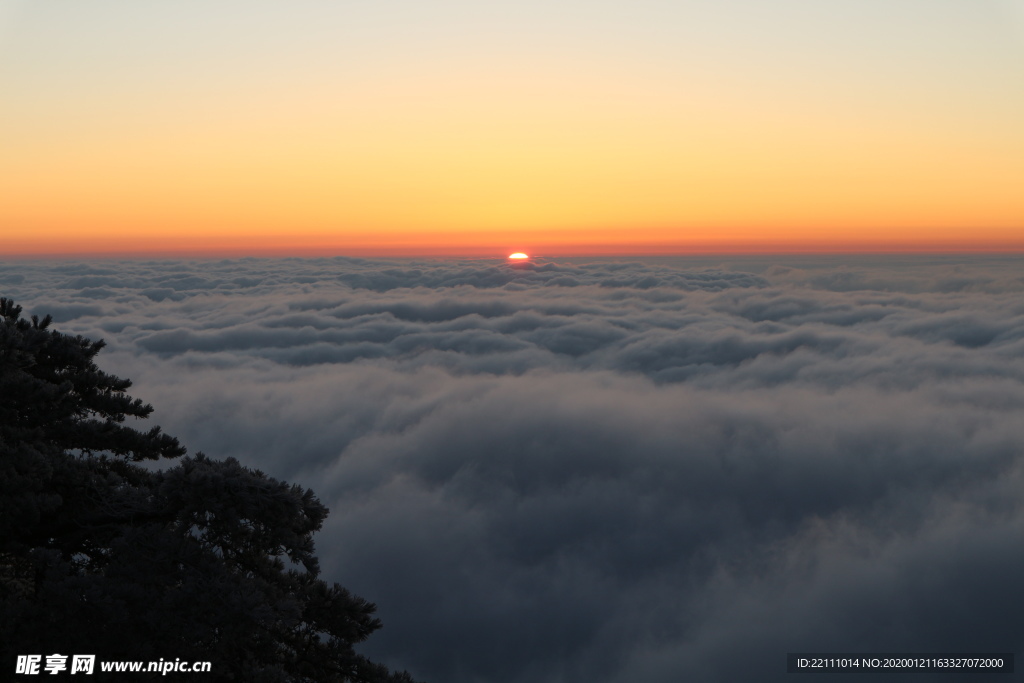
(518, 255)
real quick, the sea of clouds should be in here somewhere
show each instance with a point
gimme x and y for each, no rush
(607, 471)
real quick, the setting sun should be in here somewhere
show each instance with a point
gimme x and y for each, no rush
(518, 255)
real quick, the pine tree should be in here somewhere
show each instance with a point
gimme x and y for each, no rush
(204, 561)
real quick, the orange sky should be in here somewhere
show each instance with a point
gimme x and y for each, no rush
(304, 140)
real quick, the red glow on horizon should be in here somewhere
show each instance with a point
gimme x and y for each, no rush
(310, 246)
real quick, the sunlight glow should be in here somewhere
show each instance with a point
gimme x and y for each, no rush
(518, 255)
(675, 128)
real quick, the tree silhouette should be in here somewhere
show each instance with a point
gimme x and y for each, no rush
(204, 561)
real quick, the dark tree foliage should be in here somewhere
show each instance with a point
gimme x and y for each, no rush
(204, 561)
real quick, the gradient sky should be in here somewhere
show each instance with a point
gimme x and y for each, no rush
(464, 127)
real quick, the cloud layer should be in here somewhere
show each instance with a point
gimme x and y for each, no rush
(608, 471)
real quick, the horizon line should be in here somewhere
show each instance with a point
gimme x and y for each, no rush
(547, 251)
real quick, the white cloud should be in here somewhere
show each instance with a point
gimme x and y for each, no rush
(575, 473)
